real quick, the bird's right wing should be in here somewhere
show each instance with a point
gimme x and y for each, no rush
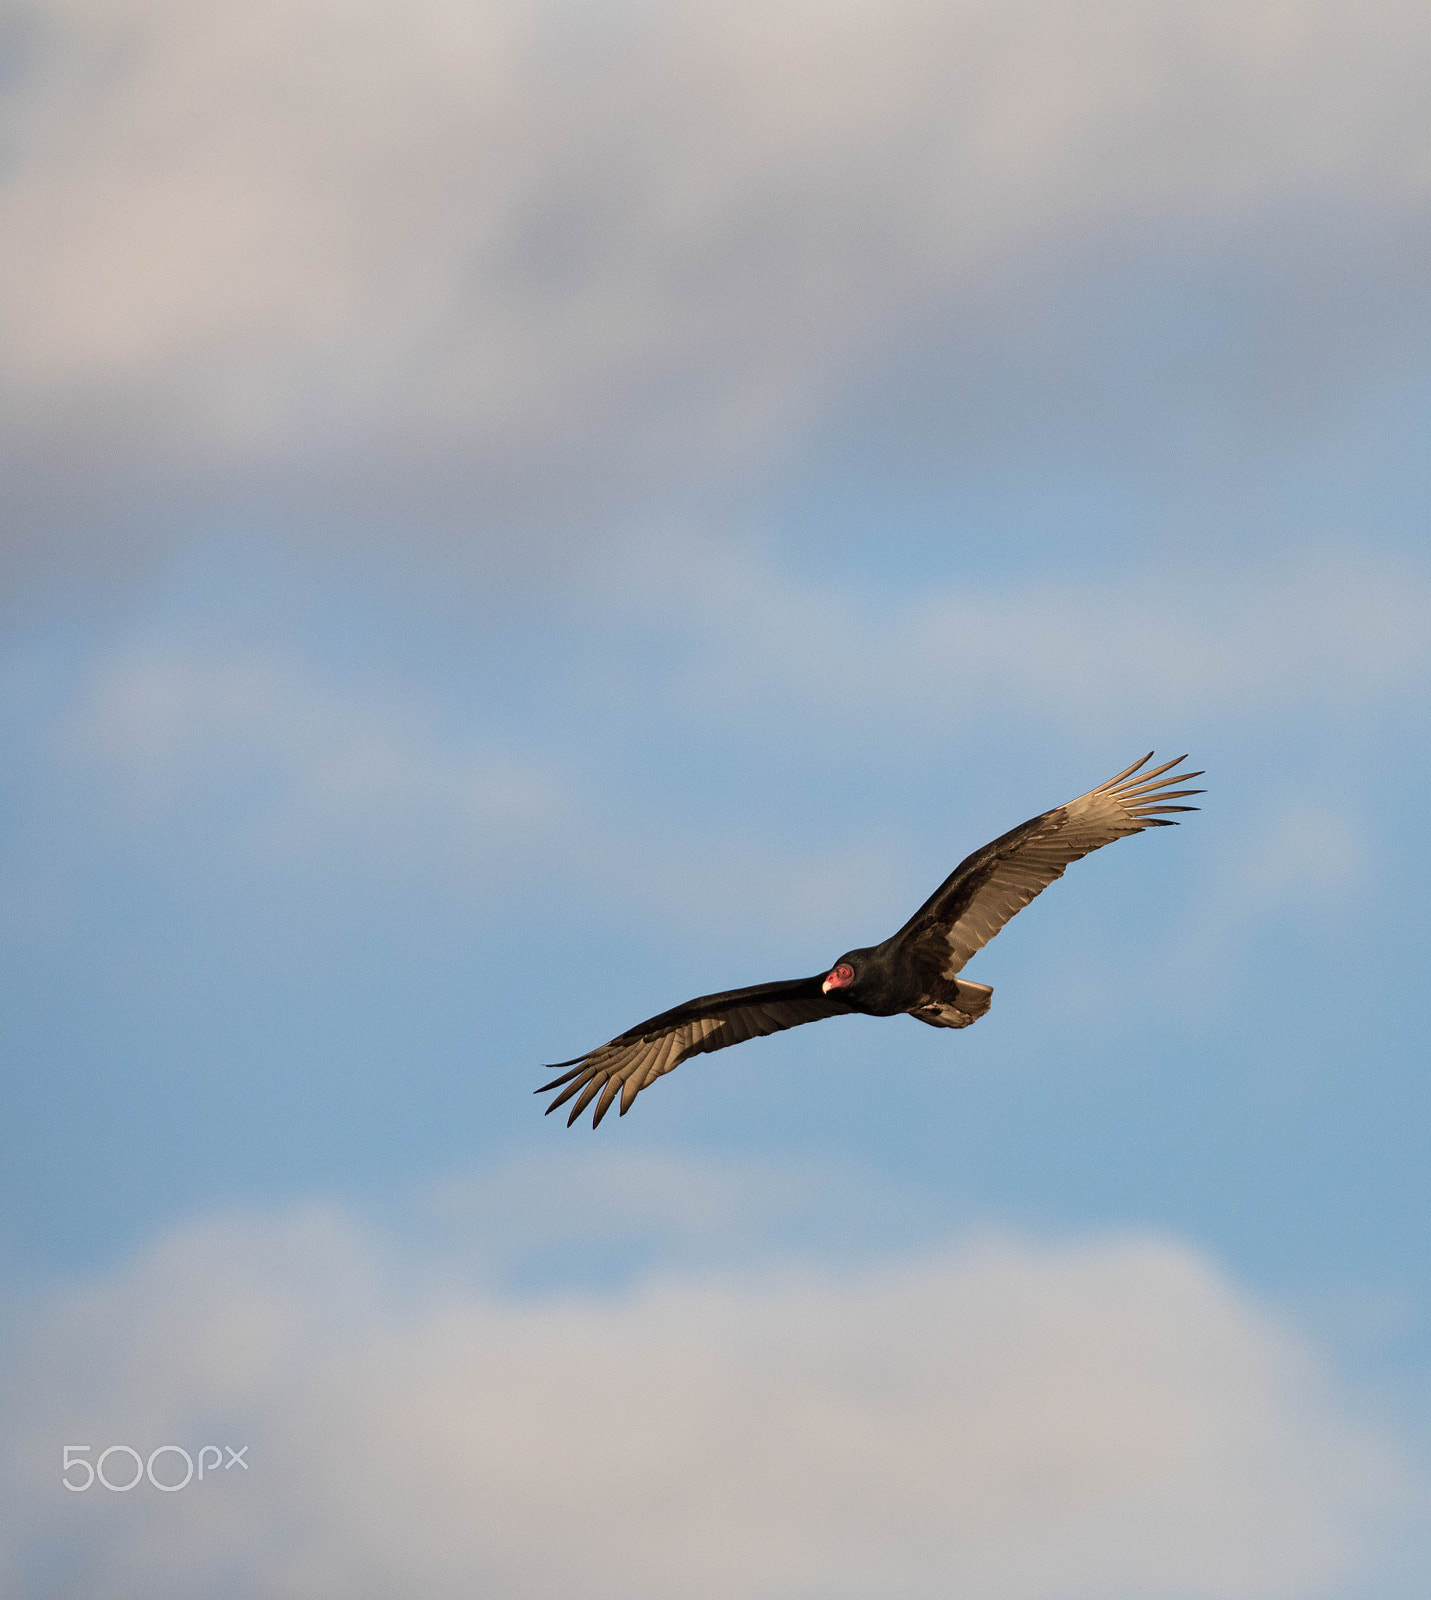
(995, 883)
(642, 1054)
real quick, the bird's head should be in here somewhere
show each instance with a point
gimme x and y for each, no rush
(863, 980)
(840, 976)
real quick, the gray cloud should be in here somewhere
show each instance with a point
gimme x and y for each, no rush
(470, 262)
(1022, 1420)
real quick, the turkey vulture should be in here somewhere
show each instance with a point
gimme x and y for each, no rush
(915, 970)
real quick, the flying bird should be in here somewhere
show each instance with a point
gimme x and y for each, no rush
(915, 971)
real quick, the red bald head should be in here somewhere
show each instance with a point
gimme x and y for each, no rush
(841, 978)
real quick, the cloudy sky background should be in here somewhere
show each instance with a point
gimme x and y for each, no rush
(518, 514)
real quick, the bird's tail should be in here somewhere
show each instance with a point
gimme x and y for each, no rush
(974, 998)
(958, 1004)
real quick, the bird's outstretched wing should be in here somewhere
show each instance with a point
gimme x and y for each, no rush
(997, 882)
(640, 1055)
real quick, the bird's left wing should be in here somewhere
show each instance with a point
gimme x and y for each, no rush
(995, 883)
(640, 1055)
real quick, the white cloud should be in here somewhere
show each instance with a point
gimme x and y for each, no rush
(1307, 853)
(277, 764)
(1297, 864)
(1016, 1420)
(294, 766)
(1318, 629)
(170, 727)
(453, 245)
(662, 1205)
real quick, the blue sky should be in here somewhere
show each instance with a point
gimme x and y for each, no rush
(522, 516)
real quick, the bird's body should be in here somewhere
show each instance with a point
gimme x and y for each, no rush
(914, 971)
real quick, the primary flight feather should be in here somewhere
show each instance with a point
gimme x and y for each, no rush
(914, 971)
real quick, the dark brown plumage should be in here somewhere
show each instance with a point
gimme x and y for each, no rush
(913, 971)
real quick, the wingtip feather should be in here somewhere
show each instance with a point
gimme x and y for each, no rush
(1128, 771)
(566, 1094)
(576, 1064)
(1148, 780)
(603, 1105)
(588, 1094)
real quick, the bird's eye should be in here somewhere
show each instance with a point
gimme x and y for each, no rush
(845, 972)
